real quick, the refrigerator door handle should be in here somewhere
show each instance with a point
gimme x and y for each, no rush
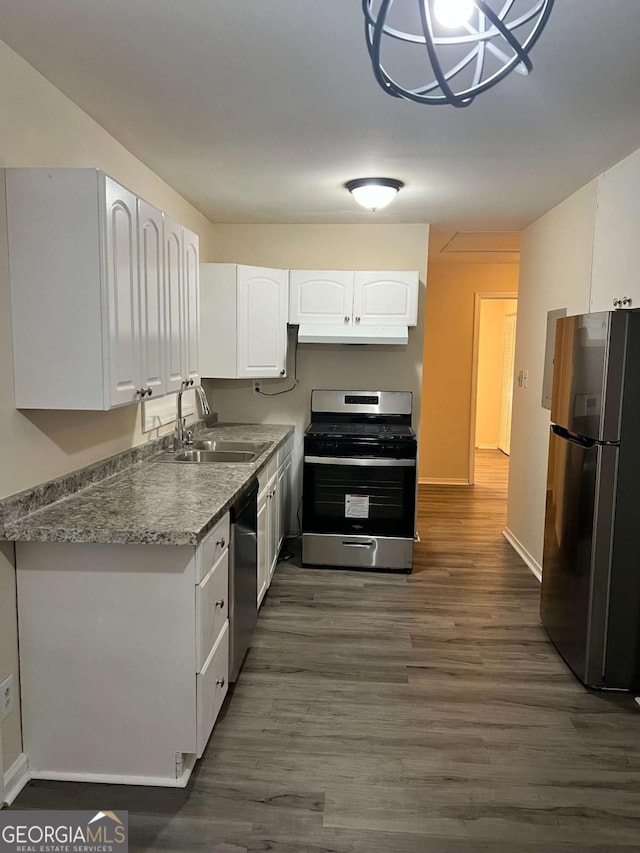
(561, 432)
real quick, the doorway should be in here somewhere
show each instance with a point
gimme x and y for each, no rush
(495, 319)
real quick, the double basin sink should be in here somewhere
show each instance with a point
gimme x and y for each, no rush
(219, 451)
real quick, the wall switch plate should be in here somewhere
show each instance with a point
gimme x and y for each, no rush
(6, 697)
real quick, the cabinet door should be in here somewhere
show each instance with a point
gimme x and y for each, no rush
(212, 684)
(263, 545)
(281, 497)
(152, 329)
(385, 298)
(320, 296)
(123, 345)
(616, 247)
(192, 305)
(284, 489)
(273, 522)
(174, 293)
(262, 299)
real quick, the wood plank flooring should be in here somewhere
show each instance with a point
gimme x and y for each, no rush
(403, 714)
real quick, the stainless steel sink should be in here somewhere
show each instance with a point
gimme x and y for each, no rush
(255, 447)
(210, 456)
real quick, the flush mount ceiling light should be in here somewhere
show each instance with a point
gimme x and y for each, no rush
(374, 193)
(470, 45)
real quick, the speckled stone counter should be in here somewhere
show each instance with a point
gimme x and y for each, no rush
(152, 502)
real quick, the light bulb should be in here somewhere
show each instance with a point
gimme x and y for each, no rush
(453, 13)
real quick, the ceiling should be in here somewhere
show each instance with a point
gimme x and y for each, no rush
(259, 110)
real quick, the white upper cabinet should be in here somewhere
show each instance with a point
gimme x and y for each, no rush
(243, 321)
(174, 295)
(615, 282)
(100, 313)
(123, 295)
(344, 297)
(385, 298)
(152, 299)
(320, 296)
(192, 304)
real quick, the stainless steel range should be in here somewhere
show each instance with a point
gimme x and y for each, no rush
(359, 480)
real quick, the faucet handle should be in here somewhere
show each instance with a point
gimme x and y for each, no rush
(188, 435)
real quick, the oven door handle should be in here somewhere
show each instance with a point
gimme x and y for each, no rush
(353, 461)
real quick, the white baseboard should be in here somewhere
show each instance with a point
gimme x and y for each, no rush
(442, 481)
(533, 565)
(116, 778)
(16, 778)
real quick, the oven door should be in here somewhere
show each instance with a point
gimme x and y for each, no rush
(359, 496)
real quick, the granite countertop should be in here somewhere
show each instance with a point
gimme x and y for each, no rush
(152, 502)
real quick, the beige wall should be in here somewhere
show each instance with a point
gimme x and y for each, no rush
(364, 247)
(555, 272)
(39, 126)
(490, 367)
(448, 355)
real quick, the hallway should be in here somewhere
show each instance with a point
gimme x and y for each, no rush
(382, 713)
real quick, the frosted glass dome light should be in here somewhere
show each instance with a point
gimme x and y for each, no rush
(374, 193)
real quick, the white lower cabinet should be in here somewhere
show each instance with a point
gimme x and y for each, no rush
(124, 657)
(267, 479)
(212, 687)
(274, 506)
(263, 537)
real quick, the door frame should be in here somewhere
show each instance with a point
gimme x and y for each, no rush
(479, 296)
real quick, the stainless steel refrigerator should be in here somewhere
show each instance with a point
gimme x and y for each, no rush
(590, 603)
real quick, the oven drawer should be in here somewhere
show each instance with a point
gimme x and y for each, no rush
(358, 552)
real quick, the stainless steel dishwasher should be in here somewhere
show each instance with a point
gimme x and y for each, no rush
(243, 575)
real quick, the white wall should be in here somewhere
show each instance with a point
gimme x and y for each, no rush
(555, 272)
(382, 247)
(39, 126)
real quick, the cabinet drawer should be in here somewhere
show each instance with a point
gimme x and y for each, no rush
(212, 608)
(211, 688)
(210, 549)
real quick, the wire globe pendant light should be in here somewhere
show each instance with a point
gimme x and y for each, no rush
(461, 47)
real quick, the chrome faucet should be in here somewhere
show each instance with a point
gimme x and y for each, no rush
(181, 435)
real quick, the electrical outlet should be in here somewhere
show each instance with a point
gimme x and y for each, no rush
(256, 386)
(6, 697)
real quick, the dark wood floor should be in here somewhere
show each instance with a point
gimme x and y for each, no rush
(403, 714)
